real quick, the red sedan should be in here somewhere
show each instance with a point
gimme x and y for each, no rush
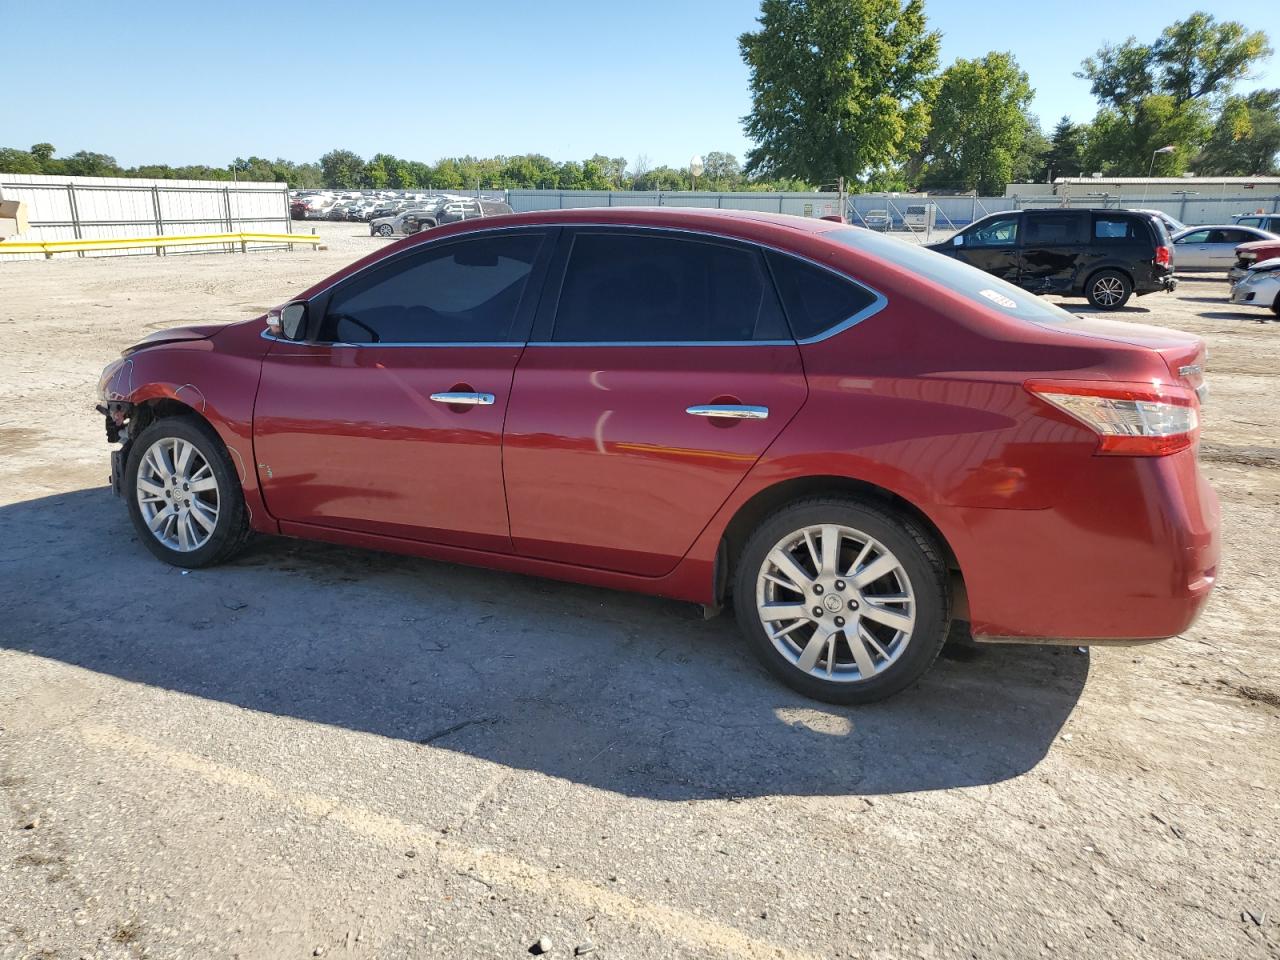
(851, 439)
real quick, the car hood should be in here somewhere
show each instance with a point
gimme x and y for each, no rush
(202, 331)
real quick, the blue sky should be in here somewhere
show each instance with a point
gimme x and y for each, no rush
(183, 83)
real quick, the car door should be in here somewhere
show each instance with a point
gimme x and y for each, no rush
(991, 245)
(389, 419)
(1191, 251)
(653, 382)
(1053, 245)
(1222, 246)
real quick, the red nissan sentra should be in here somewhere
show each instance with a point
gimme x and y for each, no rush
(851, 439)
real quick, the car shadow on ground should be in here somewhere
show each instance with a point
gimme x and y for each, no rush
(618, 691)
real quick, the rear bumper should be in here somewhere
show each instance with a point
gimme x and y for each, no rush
(1129, 555)
(1156, 285)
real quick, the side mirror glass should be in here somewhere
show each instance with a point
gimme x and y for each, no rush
(293, 320)
(957, 241)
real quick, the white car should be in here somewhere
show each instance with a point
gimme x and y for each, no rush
(1260, 287)
(1213, 247)
(1172, 224)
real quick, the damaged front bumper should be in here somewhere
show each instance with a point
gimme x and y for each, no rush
(118, 415)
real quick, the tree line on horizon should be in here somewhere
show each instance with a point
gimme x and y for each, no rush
(851, 89)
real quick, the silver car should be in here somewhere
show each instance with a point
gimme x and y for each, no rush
(1213, 247)
(1260, 287)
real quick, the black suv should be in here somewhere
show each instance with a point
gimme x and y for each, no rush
(1105, 255)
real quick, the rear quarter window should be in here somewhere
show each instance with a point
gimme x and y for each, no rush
(1116, 229)
(816, 300)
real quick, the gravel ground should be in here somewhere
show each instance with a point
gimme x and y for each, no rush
(323, 751)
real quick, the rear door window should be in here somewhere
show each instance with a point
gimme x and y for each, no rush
(1054, 229)
(622, 287)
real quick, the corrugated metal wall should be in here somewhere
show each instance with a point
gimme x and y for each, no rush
(70, 208)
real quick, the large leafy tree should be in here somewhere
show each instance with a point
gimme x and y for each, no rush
(1166, 93)
(980, 124)
(838, 87)
(1246, 138)
(343, 169)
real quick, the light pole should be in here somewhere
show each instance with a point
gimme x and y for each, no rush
(695, 169)
(1151, 167)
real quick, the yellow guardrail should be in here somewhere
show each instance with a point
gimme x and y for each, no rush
(50, 247)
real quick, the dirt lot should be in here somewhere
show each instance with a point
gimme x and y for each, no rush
(321, 751)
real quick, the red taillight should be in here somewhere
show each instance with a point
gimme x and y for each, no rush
(1164, 256)
(1130, 419)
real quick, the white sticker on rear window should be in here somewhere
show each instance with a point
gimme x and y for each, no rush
(999, 298)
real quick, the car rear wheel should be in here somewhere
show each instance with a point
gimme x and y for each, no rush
(842, 601)
(385, 230)
(184, 496)
(1275, 306)
(1109, 290)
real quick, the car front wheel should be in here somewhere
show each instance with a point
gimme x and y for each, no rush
(1109, 290)
(385, 230)
(184, 496)
(843, 601)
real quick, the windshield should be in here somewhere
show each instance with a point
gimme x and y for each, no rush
(973, 284)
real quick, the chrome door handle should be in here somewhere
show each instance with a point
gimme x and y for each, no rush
(464, 399)
(732, 411)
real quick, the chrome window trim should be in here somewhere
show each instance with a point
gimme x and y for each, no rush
(266, 335)
(878, 304)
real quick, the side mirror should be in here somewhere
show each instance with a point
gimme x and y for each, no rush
(289, 321)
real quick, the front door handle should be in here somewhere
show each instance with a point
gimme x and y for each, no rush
(731, 411)
(464, 399)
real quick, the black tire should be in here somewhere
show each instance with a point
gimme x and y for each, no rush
(1108, 289)
(231, 528)
(916, 552)
(385, 230)
(1275, 306)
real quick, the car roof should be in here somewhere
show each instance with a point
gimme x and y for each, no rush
(704, 219)
(1262, 234)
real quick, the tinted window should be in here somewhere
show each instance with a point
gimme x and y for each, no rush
(1053, 228)
(1249, 221)
(651, 288)
(466, 291)
(816, 299)
(1118, 229)
(1230, 236)
(1000, 232)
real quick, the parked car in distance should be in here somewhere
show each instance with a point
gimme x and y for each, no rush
(1259, 287)
(1251, 253)
(878, 220)
(1213, 247)
(1171, 224)
(1104, 255)
(395, 225)
(850, 438)
(1259, 221)
(916, 216)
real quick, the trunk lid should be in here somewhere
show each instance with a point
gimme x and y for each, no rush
(1183, 353)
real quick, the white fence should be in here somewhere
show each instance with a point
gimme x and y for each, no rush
(96, 208)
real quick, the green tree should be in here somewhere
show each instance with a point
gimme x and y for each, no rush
(1029, 164)
(1246, 138)
(1065, 157)
(13, 160)
(342, 169)
(378, 171)
(979, 124)
(85, 163)
(838, 87)
(1124, 141)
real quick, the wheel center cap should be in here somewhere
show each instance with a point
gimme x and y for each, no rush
(832, 602)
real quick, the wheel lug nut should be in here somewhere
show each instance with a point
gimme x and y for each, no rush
(839, 584)
(817, 611)
(817, 588)
(839, 621)
(853, 604)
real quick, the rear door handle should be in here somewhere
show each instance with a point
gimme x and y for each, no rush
(732, 411)
(464, 399)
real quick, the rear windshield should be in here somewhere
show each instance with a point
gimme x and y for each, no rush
(971, 283)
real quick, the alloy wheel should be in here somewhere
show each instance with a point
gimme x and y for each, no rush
(178, 494)
(835, 603)
(1108, 291)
